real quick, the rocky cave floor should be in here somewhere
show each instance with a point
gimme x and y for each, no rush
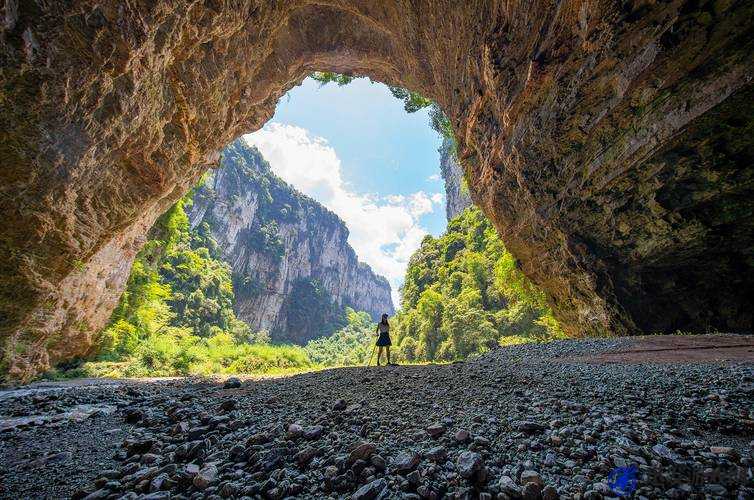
(532, 421)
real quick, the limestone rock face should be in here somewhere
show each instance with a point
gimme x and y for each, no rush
(293, 269)
(457, 197)
(609, 142)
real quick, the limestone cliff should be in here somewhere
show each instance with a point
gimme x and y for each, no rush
(610, 143)
(457, 197)
(293, 269)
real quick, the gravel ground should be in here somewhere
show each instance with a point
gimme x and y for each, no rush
(516, 423)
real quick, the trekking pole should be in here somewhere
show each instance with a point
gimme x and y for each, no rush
(370, 357)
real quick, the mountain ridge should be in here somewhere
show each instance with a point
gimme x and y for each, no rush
(288, 252)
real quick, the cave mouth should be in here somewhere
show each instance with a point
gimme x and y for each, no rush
(584, 131)
(261, 265)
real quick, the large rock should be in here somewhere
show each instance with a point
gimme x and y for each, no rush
(293, 269)
(610, 143)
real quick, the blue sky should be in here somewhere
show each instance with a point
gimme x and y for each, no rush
(356, 150)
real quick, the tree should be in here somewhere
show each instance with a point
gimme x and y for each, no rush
(463, 292)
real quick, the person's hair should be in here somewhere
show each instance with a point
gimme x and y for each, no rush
(384, 319)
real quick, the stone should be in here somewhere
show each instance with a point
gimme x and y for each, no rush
(716, 490)
(205, 477)
(437, 453)
(509, 487)
(722, 450)
(259, 438)
(305, 456)
(378, 462)
(531, 491)
(435, 430)
(529, 427)
(530, 476)
(406, 462)
(462, 436)
(98, 494)
(469, 463)
(549, 493)
(362, 451)
(664, 452)
(132, 415)
(313, 432)
(228, 405)
(481, 442)
(414, 477)
(371, 490)
(295, 431)
(159, 482)
(232, 383)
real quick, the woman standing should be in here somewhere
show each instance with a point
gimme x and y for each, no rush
(383, 329)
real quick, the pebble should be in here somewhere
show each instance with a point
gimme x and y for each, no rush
(546, 430)
(232, 383)
(371, 490)
(469, 463)
(206, 476)
(530, 476)
(436, 430)
(462, 436)
(406, 462)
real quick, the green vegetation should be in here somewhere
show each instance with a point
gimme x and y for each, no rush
(351, 345)
(464, 294)
(310, 309)
(176, 316)
(325, 77)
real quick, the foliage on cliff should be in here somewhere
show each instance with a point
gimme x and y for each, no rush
(463, 293)
(176, 316)
(287, 251)
(346, 347)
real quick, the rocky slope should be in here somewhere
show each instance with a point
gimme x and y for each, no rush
(609, 142)
(293, 269)
(521, 422)
(457, 197)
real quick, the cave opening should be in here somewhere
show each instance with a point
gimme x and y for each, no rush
(286, 254)
(610, 145)
(583, 130)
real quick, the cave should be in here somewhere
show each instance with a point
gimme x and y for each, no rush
(611, 144)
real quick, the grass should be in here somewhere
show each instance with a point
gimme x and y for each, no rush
(168, 356)
(511, 340)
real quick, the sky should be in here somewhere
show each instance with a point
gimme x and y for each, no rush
(354, 149)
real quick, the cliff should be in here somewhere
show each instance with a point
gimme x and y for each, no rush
(457, 197)
(609, 142)
(293, 269)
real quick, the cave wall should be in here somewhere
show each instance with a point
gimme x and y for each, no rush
(582, 126)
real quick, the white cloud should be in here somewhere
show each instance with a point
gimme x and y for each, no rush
(434, 177)
(385, 231)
